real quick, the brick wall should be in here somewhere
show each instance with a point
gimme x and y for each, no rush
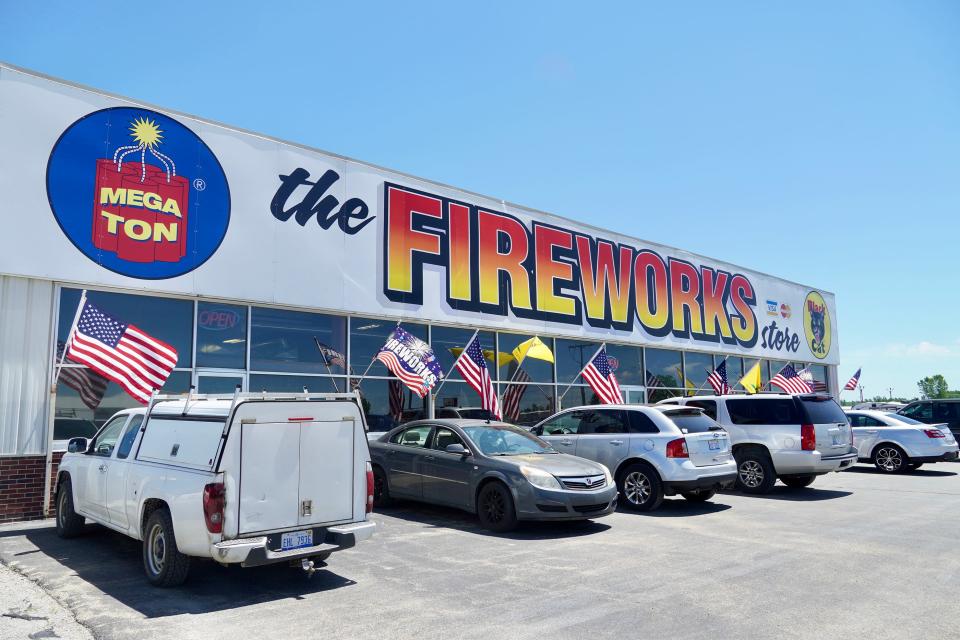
(21, 486)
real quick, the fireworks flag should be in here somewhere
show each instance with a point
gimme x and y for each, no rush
(411, 360)
(331, 357)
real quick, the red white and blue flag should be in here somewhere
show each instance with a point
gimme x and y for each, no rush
(718, 379)
(788, 380)
(513, 395)
(807, 377)
(473, 367)
(853, 382)
(395, 391)
(121, 352)
(601, 379)
(411, 360)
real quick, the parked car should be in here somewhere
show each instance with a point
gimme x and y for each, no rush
(251, 481)
(652, 452)
(467, 413)
(935, 412)
(896, 443)
(880, 406)
(498, 471)
(777, 436)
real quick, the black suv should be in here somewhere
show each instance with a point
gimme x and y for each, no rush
(935, 412)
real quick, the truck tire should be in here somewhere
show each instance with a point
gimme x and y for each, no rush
(798, 482)
(640, 487)
(495, 508)
(381, 490)
(163, 563)
(69, 522)
(755, 472)
(889, 458)
(699, 496)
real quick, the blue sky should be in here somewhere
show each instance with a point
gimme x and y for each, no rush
(816, 141)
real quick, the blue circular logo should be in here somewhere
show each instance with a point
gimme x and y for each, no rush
(138, 193)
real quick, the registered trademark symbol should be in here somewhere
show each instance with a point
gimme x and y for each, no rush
(199, 184)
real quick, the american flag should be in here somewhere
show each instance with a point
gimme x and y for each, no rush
(395, 391)
(89, 384)
(412, 360)
(853, 382)
(653, 381)
(121, 352)
(788, 380)
(718, 379)
(473, 368)
(511, 397)
(331, 357)
(599, 376)
(807, 376)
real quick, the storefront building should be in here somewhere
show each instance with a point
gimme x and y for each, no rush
(244, 252)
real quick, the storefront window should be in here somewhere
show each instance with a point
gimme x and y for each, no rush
(734, 369)
(537, 370)
(459, 400)
(295, 384)
(572, 356)
(819, 372)
(448, 342)
(367, 335)
(534, 402)
(747, 365)
(287, 341)
(381, 414)
(663, 368)
(578, 396)
(221, 335)
(656, 395)
(696, 368)
(627, 364)
(166, 319)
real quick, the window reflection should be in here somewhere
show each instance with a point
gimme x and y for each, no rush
(537, 370)
(367, 335)
(295, 384)
(448, 342)
(221, 335)
(663, 368)
(533, 402)
(696, 368)
(459, 400)
(572, 356)
(381, 414)
(288, 341)
(627, 363)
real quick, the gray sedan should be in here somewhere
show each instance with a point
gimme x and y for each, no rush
(496, 470)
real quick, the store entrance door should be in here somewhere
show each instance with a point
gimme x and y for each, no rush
(219, 381)
(633, 394)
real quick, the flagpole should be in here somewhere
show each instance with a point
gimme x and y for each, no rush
(602, 347)
(704, 383)
(326, 364)
(356, 385)
(434, 394)
(52, 411)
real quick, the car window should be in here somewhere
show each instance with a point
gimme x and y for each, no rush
(896, 417)
(66, 428)
(106, 440)
(709, 407)
(642, 423)
(946, 411)
(822, 410)
(603, 421)
(444, 437)
(412, 437)
(855, 419)
(126, 442)
(565, 424)
(506, 440)
(921, 411)
(774, 411)
(693, 421)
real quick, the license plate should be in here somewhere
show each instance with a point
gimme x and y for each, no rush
(714, 445)
(296, 539)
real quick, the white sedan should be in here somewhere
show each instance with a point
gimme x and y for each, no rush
(896, 443)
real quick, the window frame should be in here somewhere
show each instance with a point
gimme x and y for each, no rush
(92, 449)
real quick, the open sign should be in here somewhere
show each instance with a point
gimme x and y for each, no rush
(218, 319)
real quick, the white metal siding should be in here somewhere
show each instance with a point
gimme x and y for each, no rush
(26, 309)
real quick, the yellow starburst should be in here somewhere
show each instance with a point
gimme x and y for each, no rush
(145, 132)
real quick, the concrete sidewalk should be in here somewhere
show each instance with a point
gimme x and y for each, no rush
(29, 612)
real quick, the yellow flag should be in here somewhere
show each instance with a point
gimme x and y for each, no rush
(691, 388)
(533, 348)
(751, 380)
(488, 355)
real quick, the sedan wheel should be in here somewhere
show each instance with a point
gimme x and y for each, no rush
(495, 508)
(890, 459)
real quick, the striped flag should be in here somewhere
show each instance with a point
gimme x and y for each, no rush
(788, 380)
(807, 376)
(853, 382)
(601, 379)
(511, 397)
(718, 379)
(411, 360)
(473, 368)
(331, 357)
(90, 385)
(653, 381)
(395, 392)
(121, 352)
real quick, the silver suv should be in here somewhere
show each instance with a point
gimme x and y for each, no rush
(793, 438)
(652, 452)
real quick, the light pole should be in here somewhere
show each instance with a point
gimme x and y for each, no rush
(861, 393)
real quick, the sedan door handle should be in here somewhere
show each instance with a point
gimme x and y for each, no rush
(873, 432)
(566, 442)
(616, 442)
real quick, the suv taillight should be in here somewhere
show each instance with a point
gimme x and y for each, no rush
(369, 488)
(934, 433)
(677, 448)
(808, 437)
(214, 499)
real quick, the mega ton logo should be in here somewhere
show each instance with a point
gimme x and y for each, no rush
(138, 193)
(816, 324)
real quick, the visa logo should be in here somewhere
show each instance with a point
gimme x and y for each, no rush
(773, 308)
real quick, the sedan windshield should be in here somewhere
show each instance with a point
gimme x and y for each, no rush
(502, 440)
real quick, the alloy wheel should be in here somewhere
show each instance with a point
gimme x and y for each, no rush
(751, 473)
(889, 459)
(636, 486)
(494, 506)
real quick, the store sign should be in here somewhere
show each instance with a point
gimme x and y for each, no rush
(140, 201)
(138, 193)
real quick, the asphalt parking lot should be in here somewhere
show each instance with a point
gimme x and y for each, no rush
(859, 554)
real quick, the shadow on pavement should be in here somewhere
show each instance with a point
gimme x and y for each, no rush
(111, 562)
(680, 508)
(930, 473)
(450, 518)
(807, 494)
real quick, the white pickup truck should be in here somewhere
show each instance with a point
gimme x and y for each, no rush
(242, 479)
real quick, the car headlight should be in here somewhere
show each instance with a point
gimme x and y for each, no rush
(607, 475)
(540, 478)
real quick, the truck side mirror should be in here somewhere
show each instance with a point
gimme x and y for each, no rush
(77, 445)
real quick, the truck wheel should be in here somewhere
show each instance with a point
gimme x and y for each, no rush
(495, 508)
(69, 522)
(755, 472)
(164, 564)
(699, 496)
(798, 482)
(640, 488)
(381, 490)
(889, 458)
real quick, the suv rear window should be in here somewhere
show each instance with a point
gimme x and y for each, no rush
(822, 410)
(693, 422)
(763, 411)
